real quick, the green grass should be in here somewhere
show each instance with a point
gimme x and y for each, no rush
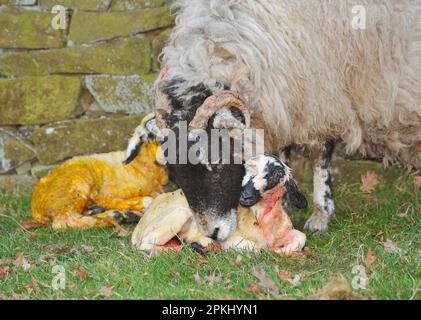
(364, 222)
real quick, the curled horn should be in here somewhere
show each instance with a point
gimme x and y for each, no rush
(220, 100)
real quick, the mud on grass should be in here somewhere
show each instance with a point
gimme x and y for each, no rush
(379, 232)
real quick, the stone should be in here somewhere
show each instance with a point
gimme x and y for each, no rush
(131, 5)
(90, 5)
(38, 170)
(23, 168)
(39, 100)
(63, 140)
(89, 27)
(158, 44)
(129, 94)
(119, 57)
(29, 30)
(13, 151)
(23, 2)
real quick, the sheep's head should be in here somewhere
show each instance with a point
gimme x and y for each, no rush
(212, 185)
(263, 173)
(210, 179)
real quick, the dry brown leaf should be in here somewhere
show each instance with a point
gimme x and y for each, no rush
(237, 262)
(213, 279)
(371, 259)
(3, 272)
(369, 181)
(31, 224)
(265, 281)
(417, 181)
(197, 278)
(336, 289)
(21, 261)
(82, 274)
(106, 291)
(254, 289)
(121, 232)
(391, 247)
(174, 273)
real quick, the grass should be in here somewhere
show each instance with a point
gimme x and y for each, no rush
(364, 222)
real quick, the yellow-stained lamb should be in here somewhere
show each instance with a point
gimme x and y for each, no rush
(102, 181)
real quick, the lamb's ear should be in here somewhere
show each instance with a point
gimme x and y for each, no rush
(133, 149)
(141, 134)
(294, 194)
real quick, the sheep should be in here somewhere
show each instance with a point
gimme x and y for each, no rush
(264, 225)
(307, 76)
(99, 190)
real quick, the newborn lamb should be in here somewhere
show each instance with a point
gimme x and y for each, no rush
(262, 221)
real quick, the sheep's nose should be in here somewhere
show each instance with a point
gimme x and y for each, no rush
(214, 235)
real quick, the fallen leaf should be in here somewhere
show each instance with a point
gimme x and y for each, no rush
(21, 261)
(371, 259)
(106, 291)
(336, 289)
(391, 247)
(213, 279)
(286, 276)
(237, 262)
(197, 278)
(121, 232)
(3, 272)
(369, 181)
(174, 273)
(254, 289)
(265, 281)
(31, 224)
(82, 274)
(417, 181)
(296, 281)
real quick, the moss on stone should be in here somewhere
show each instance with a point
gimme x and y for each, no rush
(124, 5)
(118, 57)
(29, 29)
(95, 5)
(129, 94)
(13, 151)
(66, 139)
(38, 100)
(89, 27)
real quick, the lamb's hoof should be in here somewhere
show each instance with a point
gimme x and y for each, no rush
(132, 217)
(128, 217)
(95, 210)
(317, 223)
(118, 217)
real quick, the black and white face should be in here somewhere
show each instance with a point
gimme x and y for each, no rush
(263, 173)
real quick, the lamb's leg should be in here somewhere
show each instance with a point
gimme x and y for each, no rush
(123, 204)
(323, 204)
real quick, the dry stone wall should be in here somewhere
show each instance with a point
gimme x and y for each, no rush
(78, 85)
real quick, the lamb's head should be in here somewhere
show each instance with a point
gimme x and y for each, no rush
(211, 174)
(263, 173)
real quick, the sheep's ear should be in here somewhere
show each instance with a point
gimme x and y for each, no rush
(139, 137)
(297, 198)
